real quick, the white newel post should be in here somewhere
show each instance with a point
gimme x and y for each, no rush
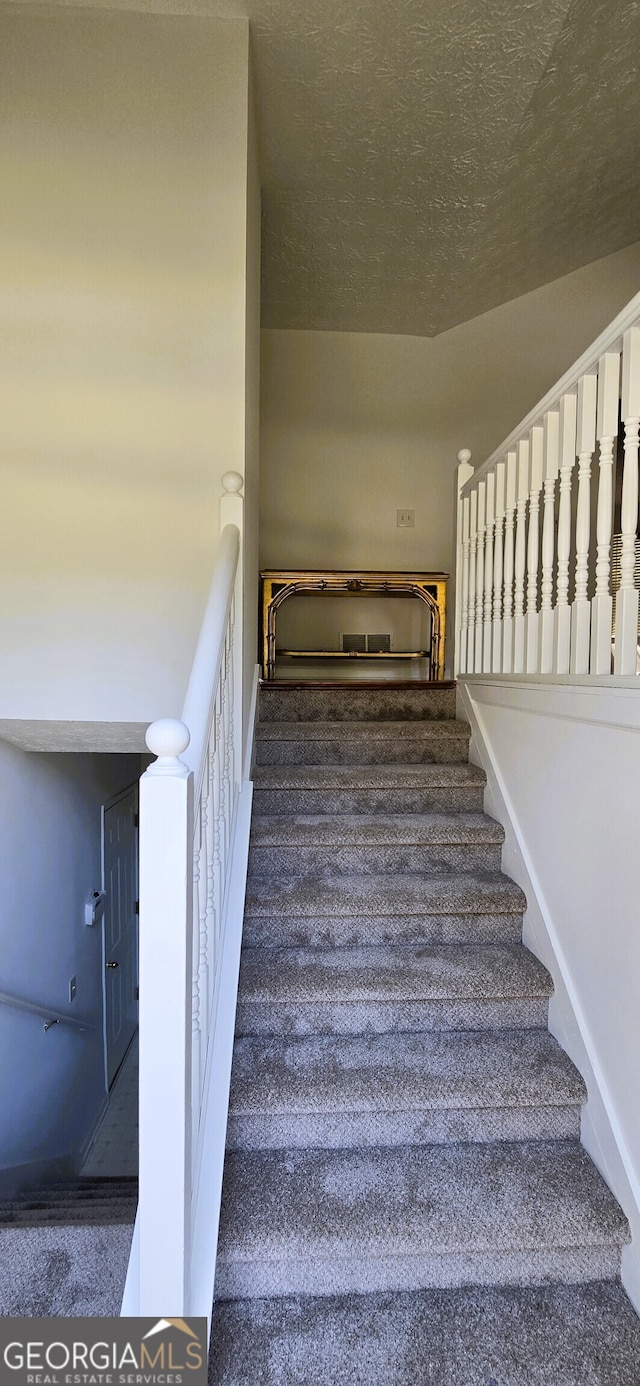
(536, 446)
(166, 916)
(606, 429)
(482, 510)
(550, 468)
(232, 513)
(464, 473)
(568, 415)
(626, 646)
(488, 574)
(473, 545)
(585, 445)
(511, 487)
(498, 553)
(521, 557)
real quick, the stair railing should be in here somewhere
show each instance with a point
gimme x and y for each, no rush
(194, 830)
(540, 588)
(46, 1014)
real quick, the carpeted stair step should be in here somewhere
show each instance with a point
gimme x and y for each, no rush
(368, 789)
(415, 1217)
(338, 1091)
(76, 1268)
(91, 1202)
(362, 743)
(298, 991)
(550, 1335)
(431, 844)
(349, 704)
(344, 911)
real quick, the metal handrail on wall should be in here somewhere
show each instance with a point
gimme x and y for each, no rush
(45, 1013)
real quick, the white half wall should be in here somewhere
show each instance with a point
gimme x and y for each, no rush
(123, 298)
(51, 1085)
(562, 758)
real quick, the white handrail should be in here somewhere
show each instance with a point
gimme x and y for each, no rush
(581, 579)
(194, 832)
(205, 671)
(45, 1013)
(610, 339)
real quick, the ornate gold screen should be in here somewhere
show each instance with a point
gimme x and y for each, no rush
(278, 585)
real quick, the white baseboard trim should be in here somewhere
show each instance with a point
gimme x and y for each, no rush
(600, 1127)
(249, 751)
(95, 1127)
(130, 1307)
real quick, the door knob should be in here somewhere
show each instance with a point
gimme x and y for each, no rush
(113, 964)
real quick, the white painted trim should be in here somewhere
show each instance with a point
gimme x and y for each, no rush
(609, 340)
(207, 1192)
(606, 702)
(250, 741)
(88, 1140)
(601, 1131)
(108, 804)
(130, 1307)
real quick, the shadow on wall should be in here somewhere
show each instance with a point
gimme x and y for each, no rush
(51, 1084)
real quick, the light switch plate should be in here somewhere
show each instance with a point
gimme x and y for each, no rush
(406, 519)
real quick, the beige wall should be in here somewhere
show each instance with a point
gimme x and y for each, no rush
(356, 426)
(252, 405)
(122, 357)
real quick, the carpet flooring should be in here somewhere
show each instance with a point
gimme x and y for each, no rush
(406, 1199)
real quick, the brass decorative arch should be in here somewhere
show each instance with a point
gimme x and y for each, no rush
(278, 586)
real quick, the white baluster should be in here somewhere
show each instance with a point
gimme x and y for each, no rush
(498, 552)
(607, 429)
(482, 511)
(626, 646)
(463, 475)
(568, 414)
(218, 812)
(196, 1010)
(166, 921)
(550, 467)
(464, 620)
(511, 489)
(225, 823)
(520, 559)
(212, 918)
(473, 547)
(203, 895)
(585, 444)
(536, 444)
(487, 638)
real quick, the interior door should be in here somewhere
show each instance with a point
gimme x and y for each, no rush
(120, 952)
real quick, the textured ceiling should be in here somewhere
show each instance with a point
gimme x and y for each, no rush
(424, 160)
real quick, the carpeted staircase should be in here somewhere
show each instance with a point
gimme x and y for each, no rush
(64, 1247)
(406, 1199)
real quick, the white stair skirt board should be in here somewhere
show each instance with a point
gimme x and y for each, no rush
(400, 1118)
(581, 700)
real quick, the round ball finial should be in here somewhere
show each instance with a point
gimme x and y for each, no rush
(233, 482)
(464, 455)
(167, 738)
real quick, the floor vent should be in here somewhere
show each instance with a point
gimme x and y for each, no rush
(366, 644)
